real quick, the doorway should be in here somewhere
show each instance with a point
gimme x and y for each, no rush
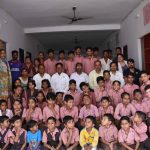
(146, 42)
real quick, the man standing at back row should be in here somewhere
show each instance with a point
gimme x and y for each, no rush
(15, 66)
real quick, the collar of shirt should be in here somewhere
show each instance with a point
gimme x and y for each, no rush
(53, 132)
(21, 130)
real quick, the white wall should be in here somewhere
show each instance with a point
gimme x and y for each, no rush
(111, 42)
(12, 33)
(132, 29)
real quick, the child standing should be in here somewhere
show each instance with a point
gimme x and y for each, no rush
(89, 135)
(141, 128)
(51, 135)
(4, 111)
(125, 108)
(108, 82)
(108, 133)
(70, 134)
(105, 107)
(34, 136)
(5, 133)
(100, 91)
(19, 134)
(73, 91)
(115, 93)
(129, 87)
(127, 136)
(51, 110)
(69, 108)
(88, 110)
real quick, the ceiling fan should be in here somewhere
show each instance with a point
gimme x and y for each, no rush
(75, 18)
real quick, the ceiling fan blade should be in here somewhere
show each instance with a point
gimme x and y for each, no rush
(66, 17)
(71, 22)
(84, 18)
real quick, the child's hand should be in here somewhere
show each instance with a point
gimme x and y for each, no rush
(30, 110)
(111, 146)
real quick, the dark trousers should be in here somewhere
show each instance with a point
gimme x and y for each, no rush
(145, 145)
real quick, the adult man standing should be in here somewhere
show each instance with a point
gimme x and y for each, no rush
(41, 76)
(79, 76)
(60, 80)
(94, 74)
(15, 66)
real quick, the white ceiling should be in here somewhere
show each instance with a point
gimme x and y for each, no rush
(40, 13)
(70, 39)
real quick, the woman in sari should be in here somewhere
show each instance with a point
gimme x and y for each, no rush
(5, 76)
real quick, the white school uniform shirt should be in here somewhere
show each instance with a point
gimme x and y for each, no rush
(83, 77)
(38, 79)
(105, 66)
(60, 82)
(8, 113)
(117, 76)
(93, 78)
(120, 68)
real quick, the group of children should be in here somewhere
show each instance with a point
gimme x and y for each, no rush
(111, 117)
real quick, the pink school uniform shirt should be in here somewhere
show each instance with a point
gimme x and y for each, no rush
(129, 138)
(142, 87)
(115, 96)
(70, 66)
(102, 111)
(65, 136)
(99, 94)
(73, 113)
(47, 112)
(77, 97)
(36, 114)
(139, 106)
(92, 111)
(141, 130)
(108, 85)
(88, 64)
(122, 110)
(45, 137)
(130, 89)
(108, 134)
(50, 67)
(78, 59)
(8, 135)
(20, 133)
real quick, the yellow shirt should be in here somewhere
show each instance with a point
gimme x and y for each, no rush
(89, 138)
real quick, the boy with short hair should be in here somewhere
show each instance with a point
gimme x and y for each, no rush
(69, 108)
(70, 134)
(51, 135)
(73, 91)
(89, 135)
(108, 82)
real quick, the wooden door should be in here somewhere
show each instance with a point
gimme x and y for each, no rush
(147, 52)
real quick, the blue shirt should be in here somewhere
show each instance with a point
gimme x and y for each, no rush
(34, 138)
(15, 67)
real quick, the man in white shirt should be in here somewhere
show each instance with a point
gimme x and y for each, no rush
(60, 80)
(94, 74)
(105, 61)
(116, 75)
(79, 76)
(41, 76)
